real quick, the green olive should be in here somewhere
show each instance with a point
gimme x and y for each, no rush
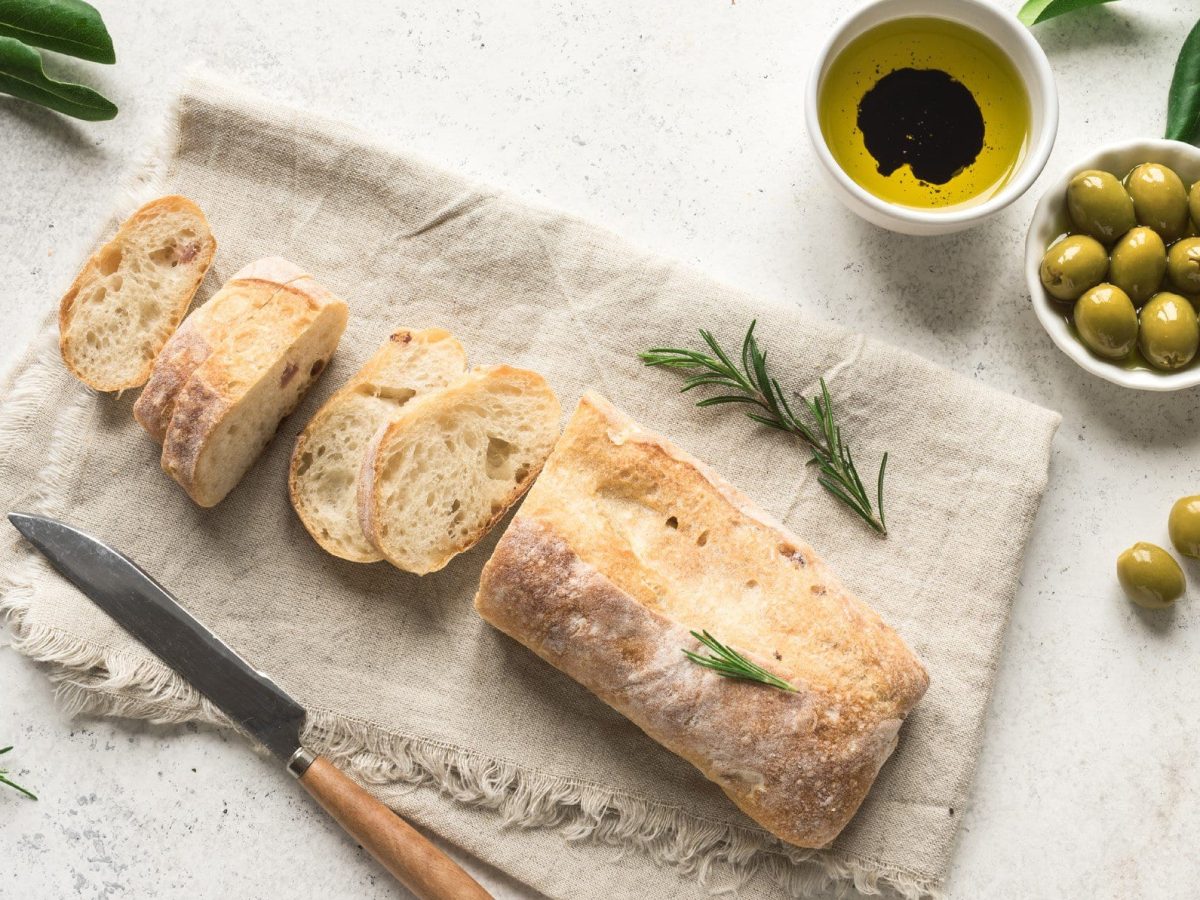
(1168, 333)
(1183, 265)
(1139, 261)
(1160, 200)
(1073, 265)
(1184, 526)
(1194, 203)
(1150, 576)
(1106, 321)
(1100, 205)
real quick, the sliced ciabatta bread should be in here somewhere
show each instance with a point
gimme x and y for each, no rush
(203, 331)
(329, 453)
(132, 292)
(228, 410)
(626, 547)
(450, 465)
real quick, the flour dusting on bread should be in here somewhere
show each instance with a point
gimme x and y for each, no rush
(624, 546)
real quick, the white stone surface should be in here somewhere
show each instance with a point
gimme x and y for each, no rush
(677, 123)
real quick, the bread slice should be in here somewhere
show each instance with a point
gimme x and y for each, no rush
(229, 408)
(329, 453)
(132, 292)
(203, 331)
(447, 469)
(624, 546)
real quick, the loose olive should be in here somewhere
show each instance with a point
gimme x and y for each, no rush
(1106, 321)
(1168, 332)
(1100, 205)
(1184, 526)
(1073, 265)
(1150, 576)
(1183, 265)
(1160, 200)
(1138, 263)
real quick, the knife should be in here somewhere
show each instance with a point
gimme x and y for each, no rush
(145, 609)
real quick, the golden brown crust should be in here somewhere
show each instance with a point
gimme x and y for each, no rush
(272, 269)
(207, 327)
(183, 352)
(205, 251)
(366, 485)
(624, 545)
(220, 382)
(198, 410)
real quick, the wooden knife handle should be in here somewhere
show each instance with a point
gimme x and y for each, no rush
(406, 853)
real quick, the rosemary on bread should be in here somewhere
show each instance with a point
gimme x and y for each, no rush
(753, 385)
(728, 662)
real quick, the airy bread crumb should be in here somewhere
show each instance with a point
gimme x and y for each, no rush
(132, 292)
(448, 468)
(328, 457)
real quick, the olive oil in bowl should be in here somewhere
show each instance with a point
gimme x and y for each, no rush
(925, 113)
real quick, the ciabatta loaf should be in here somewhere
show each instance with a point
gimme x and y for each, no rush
(132, 292)
(624, 546)
(205, 330)
(329, 453)
(230, 406)
(451, 464)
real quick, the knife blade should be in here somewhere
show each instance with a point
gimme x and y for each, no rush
(144, 608)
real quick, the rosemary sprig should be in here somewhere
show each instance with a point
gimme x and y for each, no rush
(13, 784)
(732, 664)
(752, 384)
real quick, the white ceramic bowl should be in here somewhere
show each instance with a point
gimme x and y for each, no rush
(1049, 221)
(1009, 35)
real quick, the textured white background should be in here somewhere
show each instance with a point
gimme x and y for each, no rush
(678, 124)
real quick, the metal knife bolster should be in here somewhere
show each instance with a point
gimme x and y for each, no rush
(300, 761)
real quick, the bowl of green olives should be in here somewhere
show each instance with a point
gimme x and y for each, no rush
(1112, 260)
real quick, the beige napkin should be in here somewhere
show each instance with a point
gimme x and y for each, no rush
(449, 721)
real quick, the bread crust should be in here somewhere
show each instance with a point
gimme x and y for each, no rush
(91, 271)
(368, 374)
(608, 604)
(365, 487)
(202, 332)
(219, 384)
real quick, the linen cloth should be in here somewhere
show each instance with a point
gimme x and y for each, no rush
(454, 725)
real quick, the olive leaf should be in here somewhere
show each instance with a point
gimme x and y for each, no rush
(21, 75)
(66, 26)
(1183, 101)
(1036, 11)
